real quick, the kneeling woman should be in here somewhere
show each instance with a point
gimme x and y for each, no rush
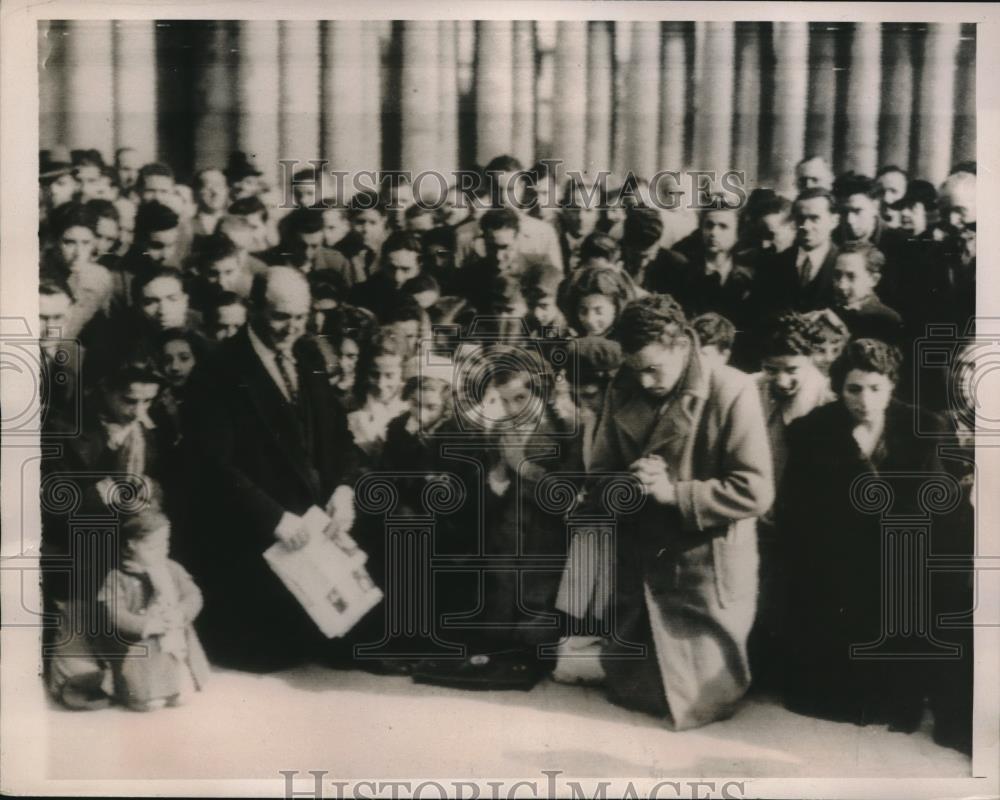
(686, 575)
(837, 667)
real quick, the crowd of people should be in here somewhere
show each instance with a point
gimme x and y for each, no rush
(236, 362)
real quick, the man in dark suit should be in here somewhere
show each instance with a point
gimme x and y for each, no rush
(801, 278)
(270, 442)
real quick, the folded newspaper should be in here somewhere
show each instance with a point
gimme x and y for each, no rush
(327, 575)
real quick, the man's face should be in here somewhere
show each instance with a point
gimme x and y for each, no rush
(258, 231)
(409, 331)
(230, 320)
(227, 273)
(160, 189)
(128, 169)
(516, 397)
(335, 226)
(285, 315)
(544, 310)
(165, 303)
(860, 213)
(53, 312)
(777, 232)
(893, 186)
(913, 219)
(659, 366)
(813, 174)
(401, 265)
(597, 314)
(347, 360)
(310, 244)
(369, 225)
(107, 236)
(178, 361)
(213, 192)
(132, 403)
(62, 190)
(718, 231)
(90, 179)
(501, 245)
(815, 221)
(304, 194)
(852, 282)
(958, 206)
(76, 246)
(160, 245)
(866, 395)
(785, 374)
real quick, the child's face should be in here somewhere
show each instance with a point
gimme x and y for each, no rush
(827, 353)
(428, 405)
(178, 361)
(370, 226)
(712, 354)
(852, 282)
(785, 374)
(544, 310)
(231, 319)
(515, 397)
(386, 377)
(152, 549)
(597, 314)
(348, 358)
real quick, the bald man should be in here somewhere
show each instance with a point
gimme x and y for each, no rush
(269, 442)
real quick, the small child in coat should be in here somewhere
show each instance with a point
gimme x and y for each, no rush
(151, 603)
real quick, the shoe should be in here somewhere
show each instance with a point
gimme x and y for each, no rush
(506, 670)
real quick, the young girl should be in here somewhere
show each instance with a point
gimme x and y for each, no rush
(150, 603)
(593, 298)
(378, 393)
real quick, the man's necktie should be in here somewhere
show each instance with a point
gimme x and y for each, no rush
(286, 366)
(806, 274)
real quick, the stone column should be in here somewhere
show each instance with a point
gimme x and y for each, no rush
(135, 86)
(570, 98)
(822, 102)
(619, 126)
(89, 86)
(257, 81)
(545, 81)
(936, 102)
(298, 121)
(791, 48)
(643, 103)
(897, 95)
(420, 101)
(713, 120)
(342, 90)
(523, 132)
(674, 97)
(964, 139)
(600, 93)
(214, 133)
(863, 85)
(448, 96)
(372, 77)
(494, 89)
(51, 98)
(746, 128)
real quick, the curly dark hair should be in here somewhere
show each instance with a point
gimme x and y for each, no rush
(655, 318)
(867, 355)
(790, 334)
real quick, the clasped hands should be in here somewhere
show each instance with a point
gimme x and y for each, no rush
(655, 479)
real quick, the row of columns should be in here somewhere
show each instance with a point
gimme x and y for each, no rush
(640, 96)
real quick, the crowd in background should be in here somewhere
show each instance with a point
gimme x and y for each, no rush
(747, 362)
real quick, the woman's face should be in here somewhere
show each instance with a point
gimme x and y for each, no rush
(348, 359)
(386, 377)
(76, 246)
(866, 395)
